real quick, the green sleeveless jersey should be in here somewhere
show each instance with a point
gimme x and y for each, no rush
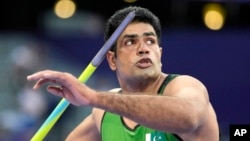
(113, 127)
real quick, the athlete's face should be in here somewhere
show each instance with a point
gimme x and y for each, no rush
(138, 53)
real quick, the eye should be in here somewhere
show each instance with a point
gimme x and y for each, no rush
(129, 42)
(150, 41)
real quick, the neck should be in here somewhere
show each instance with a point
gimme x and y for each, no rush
(150, 85)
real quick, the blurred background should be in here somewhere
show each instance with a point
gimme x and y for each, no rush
(208, 39)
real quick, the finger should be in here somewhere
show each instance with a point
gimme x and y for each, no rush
(41, 82)
(59, 77)
(56, 90)
(64, 93)
(39, 75)
(35, 76)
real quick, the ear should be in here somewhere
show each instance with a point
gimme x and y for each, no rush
(160, 50)
(111, 60)
(160, 54)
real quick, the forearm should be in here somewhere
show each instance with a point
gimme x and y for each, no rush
(159, 112)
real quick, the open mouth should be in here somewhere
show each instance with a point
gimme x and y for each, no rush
(144, 63)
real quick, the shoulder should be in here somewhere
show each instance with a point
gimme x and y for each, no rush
(98, 113)
(185, 82)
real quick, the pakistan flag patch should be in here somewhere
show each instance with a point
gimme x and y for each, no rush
(156, 136)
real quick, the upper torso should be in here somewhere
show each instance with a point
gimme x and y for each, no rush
(131, 128)
(114, 128)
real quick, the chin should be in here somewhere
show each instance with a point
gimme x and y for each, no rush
(147, 75)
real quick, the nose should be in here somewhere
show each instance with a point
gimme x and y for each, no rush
(143, 49)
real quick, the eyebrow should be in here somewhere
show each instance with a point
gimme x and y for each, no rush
(136, 35)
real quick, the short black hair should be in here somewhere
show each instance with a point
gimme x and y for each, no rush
(141, 15)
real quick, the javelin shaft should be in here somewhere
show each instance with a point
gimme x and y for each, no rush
(95, 62)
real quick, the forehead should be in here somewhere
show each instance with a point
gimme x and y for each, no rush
(137, 28)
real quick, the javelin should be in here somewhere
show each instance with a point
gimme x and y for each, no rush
(95, 62)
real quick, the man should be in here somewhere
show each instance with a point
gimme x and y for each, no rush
(150, 104)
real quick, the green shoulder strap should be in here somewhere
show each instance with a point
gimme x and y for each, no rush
(165, 82)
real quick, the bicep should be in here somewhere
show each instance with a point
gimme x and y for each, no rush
(86, 130)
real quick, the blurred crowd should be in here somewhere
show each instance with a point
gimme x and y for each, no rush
(23, 110)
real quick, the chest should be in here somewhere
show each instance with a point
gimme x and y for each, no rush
(114, 127)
